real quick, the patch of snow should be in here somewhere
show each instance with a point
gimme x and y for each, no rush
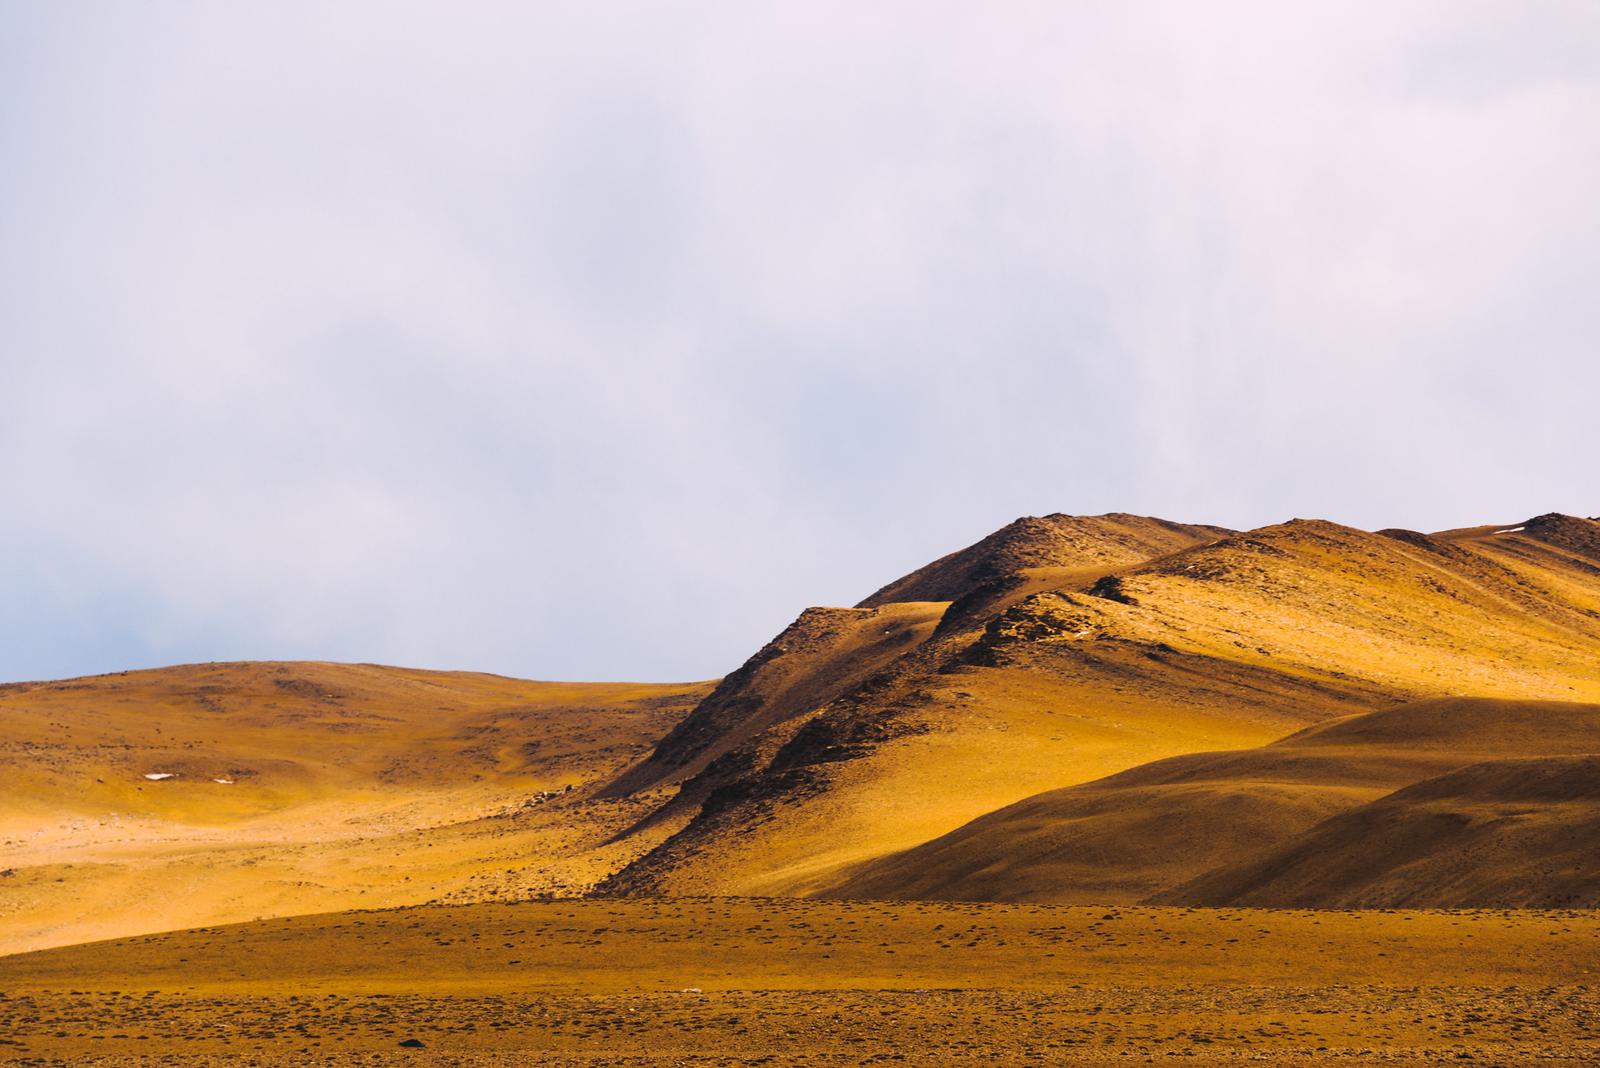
(1511, 530)
(223, 782)
(157, 776)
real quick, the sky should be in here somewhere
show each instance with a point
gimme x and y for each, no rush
(595, 341)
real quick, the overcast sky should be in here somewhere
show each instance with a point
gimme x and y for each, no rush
(597, 340)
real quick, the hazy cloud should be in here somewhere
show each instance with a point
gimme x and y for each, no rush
(595, 341)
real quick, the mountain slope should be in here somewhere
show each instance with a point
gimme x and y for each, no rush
(1051, 675)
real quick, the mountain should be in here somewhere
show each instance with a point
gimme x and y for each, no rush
(1063, 655)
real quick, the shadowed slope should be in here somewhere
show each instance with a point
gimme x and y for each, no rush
(1150, 829)
(1508, 833)
(824, 653)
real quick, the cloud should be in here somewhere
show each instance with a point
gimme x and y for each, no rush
(597, 342)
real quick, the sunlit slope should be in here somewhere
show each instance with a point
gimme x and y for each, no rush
(1054, 675)
(297, 787)
(1507, 615)
(1507, 833)
(1151, 829)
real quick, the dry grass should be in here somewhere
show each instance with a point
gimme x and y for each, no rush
(741, 981)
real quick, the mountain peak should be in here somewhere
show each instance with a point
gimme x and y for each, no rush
(1057, 541)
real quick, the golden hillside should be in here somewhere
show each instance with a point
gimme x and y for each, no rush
(1064, 661)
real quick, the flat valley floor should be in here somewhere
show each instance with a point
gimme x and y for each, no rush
(742, 981)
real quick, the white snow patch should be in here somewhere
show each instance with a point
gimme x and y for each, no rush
(1511, 530)
(223, 782)
(157, 776)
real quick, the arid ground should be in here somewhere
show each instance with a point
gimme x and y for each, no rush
(738, 981)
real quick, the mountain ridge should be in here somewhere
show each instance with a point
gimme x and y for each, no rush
(1254, 634)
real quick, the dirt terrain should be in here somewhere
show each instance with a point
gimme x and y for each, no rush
(794, 982)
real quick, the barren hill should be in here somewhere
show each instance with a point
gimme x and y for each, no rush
(205, 793)
(1059, 660)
